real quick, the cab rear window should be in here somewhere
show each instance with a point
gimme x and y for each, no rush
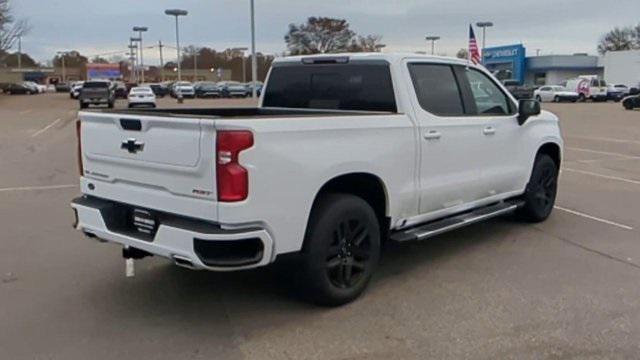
(351, 86)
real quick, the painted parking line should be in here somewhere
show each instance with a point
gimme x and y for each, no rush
(37, 188)
(594, 218)
(602, 152)
(620, 141)
(45, 128)
(608, 177)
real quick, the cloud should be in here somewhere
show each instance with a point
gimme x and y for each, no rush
(553, 26)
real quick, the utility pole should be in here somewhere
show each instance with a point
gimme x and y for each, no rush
(19, 53)
(160, 46)
(62, 55)
(134, 57)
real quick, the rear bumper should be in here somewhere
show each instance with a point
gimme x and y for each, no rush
(191, 243)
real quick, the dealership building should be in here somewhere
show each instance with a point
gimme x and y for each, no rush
(512, 63)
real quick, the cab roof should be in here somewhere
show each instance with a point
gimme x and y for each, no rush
(389, 57)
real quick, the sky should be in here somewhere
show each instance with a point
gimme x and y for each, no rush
(104, 27)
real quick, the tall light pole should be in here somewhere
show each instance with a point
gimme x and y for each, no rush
(62, 55)
(140, 30)
(244, 65)
(254, 60)
(177, 13)
(160, 46)
(135, 42)
(484, 25)
(433, 40)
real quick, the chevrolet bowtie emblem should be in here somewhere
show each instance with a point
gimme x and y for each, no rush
(132, 146)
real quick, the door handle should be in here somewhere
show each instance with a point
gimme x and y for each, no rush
(489, 130)
(432, 135)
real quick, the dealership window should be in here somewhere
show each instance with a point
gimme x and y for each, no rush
(540, 79)
(437, 89)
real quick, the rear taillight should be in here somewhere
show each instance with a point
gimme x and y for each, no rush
(79, 140)
(233, 179)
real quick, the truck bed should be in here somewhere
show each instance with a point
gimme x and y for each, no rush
(241, 112)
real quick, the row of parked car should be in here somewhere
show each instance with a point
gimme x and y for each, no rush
(23, 88)
(580, 89)
(184, 89)
(209, 89)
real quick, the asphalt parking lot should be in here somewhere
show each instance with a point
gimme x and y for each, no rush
(565, 289)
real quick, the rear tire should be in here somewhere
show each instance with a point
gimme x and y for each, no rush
(556, 99)
(341, 251)
(539, 99)
(582, 98)
(540, 195)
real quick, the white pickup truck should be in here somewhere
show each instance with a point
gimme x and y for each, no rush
(343, 153)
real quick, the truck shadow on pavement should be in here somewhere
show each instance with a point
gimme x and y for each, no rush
(161, 289)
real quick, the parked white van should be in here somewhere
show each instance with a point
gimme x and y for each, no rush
(588, 87)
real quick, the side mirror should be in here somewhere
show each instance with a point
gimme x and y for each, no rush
(528, 108)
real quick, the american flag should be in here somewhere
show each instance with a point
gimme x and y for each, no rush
(474, 53)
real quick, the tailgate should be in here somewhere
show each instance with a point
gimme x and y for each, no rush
(167, 156)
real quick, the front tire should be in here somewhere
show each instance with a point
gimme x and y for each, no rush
(341, 251)
(541, 192)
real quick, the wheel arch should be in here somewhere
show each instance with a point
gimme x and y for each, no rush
(367, 186)
(553, 150)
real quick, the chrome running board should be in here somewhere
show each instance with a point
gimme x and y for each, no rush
(435, 228)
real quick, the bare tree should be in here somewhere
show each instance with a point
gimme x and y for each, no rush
(319, 35)
(620, 39)
(10, 29)
(367, 43)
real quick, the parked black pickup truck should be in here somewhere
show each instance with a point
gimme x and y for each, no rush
(519, 91)
(97, 92)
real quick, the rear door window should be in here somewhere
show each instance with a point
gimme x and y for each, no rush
(352, 86)
(437, 89)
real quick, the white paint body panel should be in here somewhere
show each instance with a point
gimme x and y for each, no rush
(293, 157)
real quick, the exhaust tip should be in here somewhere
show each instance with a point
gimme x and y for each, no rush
(183, 262)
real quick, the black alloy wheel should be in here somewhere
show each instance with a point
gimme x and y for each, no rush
(540, 196)
(341, 250)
